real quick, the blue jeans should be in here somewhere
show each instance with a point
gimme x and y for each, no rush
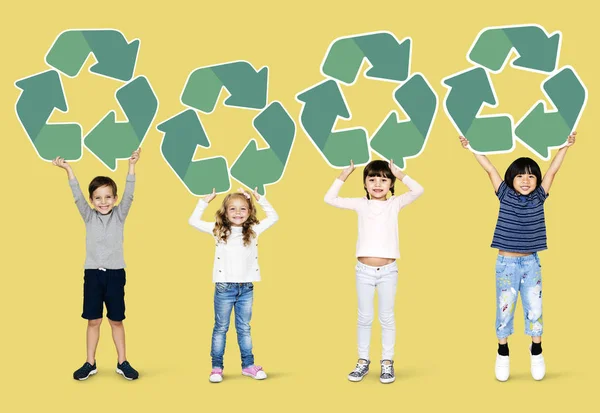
(227, 297)
(514, 275)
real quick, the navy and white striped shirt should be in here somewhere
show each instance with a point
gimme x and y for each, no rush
(521, 226)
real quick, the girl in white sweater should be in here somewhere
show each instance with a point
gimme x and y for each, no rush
(377, 249)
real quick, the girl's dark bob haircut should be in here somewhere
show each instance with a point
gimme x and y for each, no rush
(379, 168)
(523, 166)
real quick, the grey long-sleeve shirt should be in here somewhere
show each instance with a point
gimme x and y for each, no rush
(104, 233)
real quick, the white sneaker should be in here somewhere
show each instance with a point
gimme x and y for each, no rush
(538, 366)
(502, 367)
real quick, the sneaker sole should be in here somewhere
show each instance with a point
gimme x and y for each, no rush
(219, 380)
(123, 374)
(88, 376)
(254, 377)
(387, 381)
(357, 379)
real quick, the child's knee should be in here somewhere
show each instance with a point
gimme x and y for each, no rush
(95, 322)
(365, 319)
(114, 323)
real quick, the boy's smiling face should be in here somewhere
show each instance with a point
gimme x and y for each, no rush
(103, 199)
(525, 183)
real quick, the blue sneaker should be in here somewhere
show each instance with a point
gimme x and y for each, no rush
(85, 371)
(127, 371)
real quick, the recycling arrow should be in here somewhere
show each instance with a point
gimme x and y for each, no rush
(541, 130)
(389, 57)
(110, 140)
(258, 167)
(115, 57)
(537, 50)
(399, 140)
(183, 134)
(247, 87)
(468, 91)
(41, 94)
(322, 105)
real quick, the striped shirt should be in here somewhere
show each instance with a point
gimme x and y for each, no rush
(521, 226)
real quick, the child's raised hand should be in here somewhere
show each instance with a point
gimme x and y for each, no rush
(256, 194)
(346, 172)
(210, 196)
(463, 141)
(396, 170)
(135, 156)
(61, 163)
(571, 139)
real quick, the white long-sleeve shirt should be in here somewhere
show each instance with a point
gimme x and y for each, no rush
(377, 220)
(235, 262)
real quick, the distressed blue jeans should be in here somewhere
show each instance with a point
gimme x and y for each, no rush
(516, 275)
(230, 296)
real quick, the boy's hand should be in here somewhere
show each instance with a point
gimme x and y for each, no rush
(210, 196)
(61, 163)
(346, 172)
(571, 139)
(135, 156)
(463, 141)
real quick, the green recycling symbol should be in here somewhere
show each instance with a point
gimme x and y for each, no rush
(324, 103)
(539, 129)
(183, 133)
(43, 92)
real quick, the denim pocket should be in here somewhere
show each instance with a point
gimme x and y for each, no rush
(221, 287)
(500, 267)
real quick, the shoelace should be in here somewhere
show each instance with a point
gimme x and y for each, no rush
(360, 368)
(386, 369)
(255, 369)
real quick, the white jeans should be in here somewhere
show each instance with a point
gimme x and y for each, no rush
(385, 280)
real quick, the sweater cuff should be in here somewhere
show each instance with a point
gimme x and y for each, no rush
(130, 178)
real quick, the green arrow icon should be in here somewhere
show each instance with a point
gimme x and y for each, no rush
(537, 50)
(110, 140)
(247, 87)
(541, 130)
(116, 58)
(322, 104)
(468, 91)
(259, 167)
(183, 133)
(389, 58)
(400, 140)
(41, 94)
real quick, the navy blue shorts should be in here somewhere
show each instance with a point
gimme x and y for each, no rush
(100, 287)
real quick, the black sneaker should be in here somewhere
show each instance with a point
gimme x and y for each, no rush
(127, 371)
(359, 371)
(85, 371)
(387, 372)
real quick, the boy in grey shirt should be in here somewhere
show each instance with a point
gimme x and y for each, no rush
(104, 269)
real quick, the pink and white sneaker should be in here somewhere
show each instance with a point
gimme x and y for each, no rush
(254, 371)
(216, 375)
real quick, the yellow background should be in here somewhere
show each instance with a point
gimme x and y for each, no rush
(304, 324)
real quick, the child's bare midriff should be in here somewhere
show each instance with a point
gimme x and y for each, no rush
(376, 261)
(514, 254)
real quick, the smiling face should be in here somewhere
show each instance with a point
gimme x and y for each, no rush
(378, 187)
(237, 211)
(525, 183)
(103, 199)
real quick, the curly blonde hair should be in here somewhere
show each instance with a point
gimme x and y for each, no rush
(222, 228)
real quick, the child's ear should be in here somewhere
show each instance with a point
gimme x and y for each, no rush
(116, 197)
